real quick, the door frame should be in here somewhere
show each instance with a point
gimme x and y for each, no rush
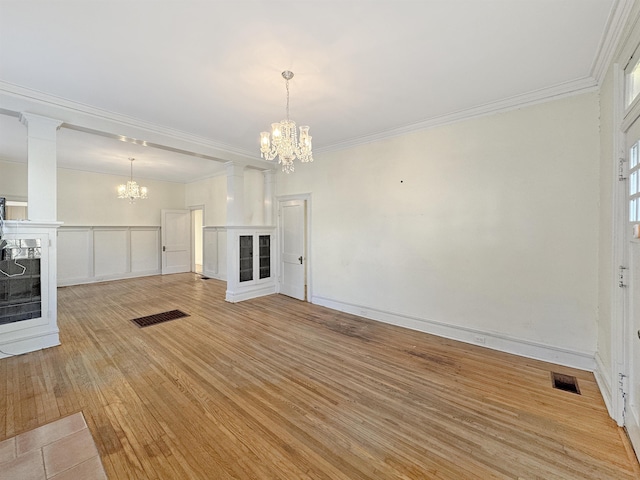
(621, 366)
(306, 197)
(619, 361)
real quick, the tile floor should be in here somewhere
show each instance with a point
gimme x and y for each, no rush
(62, 450)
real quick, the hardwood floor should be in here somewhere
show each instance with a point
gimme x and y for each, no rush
(277, 388)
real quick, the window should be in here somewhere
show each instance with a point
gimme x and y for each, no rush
(633, 83)
(634, 187)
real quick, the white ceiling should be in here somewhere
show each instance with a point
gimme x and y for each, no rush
(212, 68)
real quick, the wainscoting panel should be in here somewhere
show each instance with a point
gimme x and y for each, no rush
(110, 251)
(145, 250)
(75, 254)
(88, 254)
(215, 252)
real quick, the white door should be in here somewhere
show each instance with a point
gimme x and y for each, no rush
(630, 330)
(292, 249)
(176, 241)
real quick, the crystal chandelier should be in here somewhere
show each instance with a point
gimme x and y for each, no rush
(284, 139)
(132, 190)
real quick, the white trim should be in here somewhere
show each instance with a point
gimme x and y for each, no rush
(246, 227)
(249, 293)
(98, 113)
(215, 276)
(503, 343)
(576, 87)
(618, 364)
(22, 345)
(106, 278)
(632, 425)
(618, 17)
(603, 379)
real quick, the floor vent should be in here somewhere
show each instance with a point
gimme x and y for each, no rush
(565, 382)
(202, 277)
(158, 318)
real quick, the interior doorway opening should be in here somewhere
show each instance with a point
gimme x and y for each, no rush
(197, 222)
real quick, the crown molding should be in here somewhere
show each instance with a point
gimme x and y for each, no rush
(618, 16)
(576, 87)
(65, 105)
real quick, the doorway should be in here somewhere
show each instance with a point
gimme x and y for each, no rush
(197, 248)
(625, 344)
(294, 248)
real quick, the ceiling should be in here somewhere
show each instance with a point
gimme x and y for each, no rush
(363, 68)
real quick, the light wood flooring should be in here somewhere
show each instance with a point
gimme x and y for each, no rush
(277, 388)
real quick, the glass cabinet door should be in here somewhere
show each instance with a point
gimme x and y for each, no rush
(264, 243)
(246, 258)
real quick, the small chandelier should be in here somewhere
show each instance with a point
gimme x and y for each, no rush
(132, 190)
(284, 139)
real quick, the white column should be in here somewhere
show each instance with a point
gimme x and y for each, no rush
(235, 194)
(41, 166)
(269, 192)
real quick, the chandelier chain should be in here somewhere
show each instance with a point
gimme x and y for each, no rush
(287, 99)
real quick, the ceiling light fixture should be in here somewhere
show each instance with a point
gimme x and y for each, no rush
(284, 139)
(132, 190)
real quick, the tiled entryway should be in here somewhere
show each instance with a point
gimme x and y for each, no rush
(61, 450)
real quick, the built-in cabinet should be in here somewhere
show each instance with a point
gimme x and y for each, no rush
(28, 294)
(251, 262)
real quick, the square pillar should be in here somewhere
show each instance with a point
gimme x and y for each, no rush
(269, 192)
(41, 166)
(235, 194)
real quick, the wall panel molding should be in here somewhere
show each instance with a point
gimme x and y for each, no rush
(88, 254)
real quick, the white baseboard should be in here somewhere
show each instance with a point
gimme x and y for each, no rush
(504, 343)
(22, 345)
(603, 379)
(106, 278)
(632, 424)
(247, 294)
(212, 274)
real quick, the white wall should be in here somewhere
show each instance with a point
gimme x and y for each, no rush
(253, 197)
(487, 225)
(90, 199)
(212, 193)
(13, 180)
